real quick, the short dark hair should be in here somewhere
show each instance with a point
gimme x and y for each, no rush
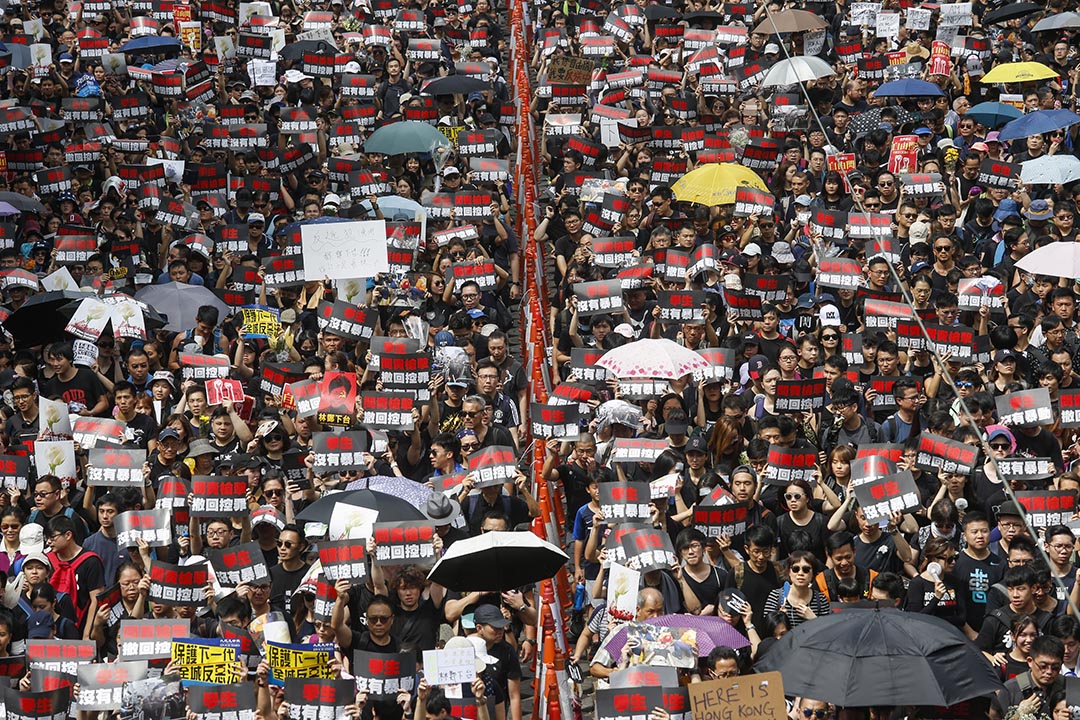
(61, 525)
(760, 535)
(1047, 646)
(1019, 575)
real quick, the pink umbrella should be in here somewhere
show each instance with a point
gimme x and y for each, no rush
(652, 359)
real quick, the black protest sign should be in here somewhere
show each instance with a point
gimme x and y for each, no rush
(222, 702)
(239, 564)
(335, 452)
(1025, 468)
(1025, 408)
(1068, 405)
(150, 639)
(49, 680)
(493, 465)
(178, 586)
(743, 305)
(196, 366)
(482, 273)
(347, 320)
(305, 397)
(881, 497)
(14, 471)
(718, 520)
(998, 174)
(319, 698)
(751, 201)
(599, 297)
(628, 703)
(884, 314)
(634, 450)
(388, 410)
(284, 271)
(404, 543)
(613, 252)
(625, 501)
(840, 273)
(218, 496)
(682, 306)
(676, 264)
(275, 376)
(151, 526)
(110, 467)
(722, 361)
(945, 455)
(1047, 507)
(344, 560)
(555, 421)
(797, 396)
(770, 288)
(407, 371)
(59, 655)
(102, 684)
(648, 549)
(955, 340)
(44, 705)
(870, 226)
(787, 464)
(384, 673)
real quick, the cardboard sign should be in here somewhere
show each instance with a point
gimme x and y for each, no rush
(648, 549)
(613, 252)
(407, 371)
(218, 496)
(344, 250)
(1025, 408)
(320, 698)
(751, 201)
(152, 526)
(347, 320)
(637, 450)
(742, 305)
(1069, 407)
(178, 586)
(298, 661)
(219, 391)
(798, 396)
(14, 471)
(493, 465)
(1047, 507)
(880, 497)
(976, 293)
(945, 455)
(276, 375)
(196, 366)
(388, 410)
(101, 685)
(625, 501)
(629, 703)
(761, 694)
(334, 452)
(116, 468)
(884, 314)
(384, 673)
(235, 701)
(344, 560)
(723, 364)
(840, 273)
(43, 705)
(787, 464)
(623, 584)
(239, 564)
(404, 543)
(682, 306)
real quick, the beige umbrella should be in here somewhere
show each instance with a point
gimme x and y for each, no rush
(789, 21)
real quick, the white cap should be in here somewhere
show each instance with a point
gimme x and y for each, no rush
(625, 330)
(752, 249)
(31, 539)
(332, 199)
(772, 49)
(256, 217)
(295, 76)
(351, 67)
(830, 316)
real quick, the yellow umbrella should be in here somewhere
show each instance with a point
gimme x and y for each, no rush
(715, 183)
(1019, 72)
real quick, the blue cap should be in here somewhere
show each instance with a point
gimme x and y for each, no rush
(1007, 207)
(444, 338)
(924, 131)
(475, 95)
(66, 57)
(477, 314)
(885, 126)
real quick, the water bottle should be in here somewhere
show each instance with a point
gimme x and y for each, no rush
(579, 597)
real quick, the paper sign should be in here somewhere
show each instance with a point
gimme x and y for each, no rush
(731, 697)
(344, 250)
(622, 592)
(352, 522)
(56, 458)
(450, 666)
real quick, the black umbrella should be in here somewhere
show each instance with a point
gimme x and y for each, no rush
(879, 657)
(391, 508)
(661, 12)
(702, 16)
(455, 84)
(497, 561)
(295, 50)
(21, 202)
(1011, 12)
(39, 319)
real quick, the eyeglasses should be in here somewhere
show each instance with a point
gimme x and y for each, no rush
(39, 494)
(793, 496)
(890, 183)
(947, 558)
(470, 447)
(802, 569)
(943, 248)
(379, 619)
(1061, 547)
(22, 398)
(216, 533)
(815, 714)
(830, 337)
(964, 385)
(910, 216)
(471, 413)
(285, 543)
(273, 493)
(260, 588)
(274, 438)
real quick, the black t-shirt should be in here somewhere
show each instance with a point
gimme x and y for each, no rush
(977, 576)
(756, 587)
(283, 584)
(140, 430)
(80, 392)
(476, 507)
(507, 668)
(365, 643)
(950, 608)
(418, 629)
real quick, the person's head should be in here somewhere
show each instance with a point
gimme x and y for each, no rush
(48, 494)
(1059, 543)
(1024, 630)
(445, 450)
(976, 530)
(1022, 551)
(801, 567)
(759, 543)
(219, 533)
(12, 520)
(108, 507)
(128, 577)
(60, 535)
(380, 617)
(1067, 628)
(940, 550)
(60, 357)
(813, 709)
(408, 586)
(723, 662)
(1044, 660)
(841, 551)
(650, 604)
(494, 521)
(291, 543)
(1019, 584)
(690, 545)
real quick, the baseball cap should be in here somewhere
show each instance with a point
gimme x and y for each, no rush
(256, 218)
(476, 314)
(676, 423)
(489, 615)
(804, 200)
(772, 49)
(450, 170)
(830, 316)
(40, 624)
(756, 365)
(66, 57)
(31, 539)
(168, 433)
(980, 147)
(923, 131)
(806, 301)
(624, 330)
(1004, 354)
(752, 249)
(1009, 508)
(332, 199)
(697, 444)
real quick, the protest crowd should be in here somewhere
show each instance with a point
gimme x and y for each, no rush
(481, 359)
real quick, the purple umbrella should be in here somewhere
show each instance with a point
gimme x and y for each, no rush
(712, 631)
(412, 492)
(7, 208)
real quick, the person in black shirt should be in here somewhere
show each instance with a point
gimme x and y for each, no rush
(77, 386)
(491, 626)
(418, 612)
(757, 576)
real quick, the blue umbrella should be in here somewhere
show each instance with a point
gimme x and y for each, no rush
(993, 114)
(151, 44)
(1037, 123)
(908, 87)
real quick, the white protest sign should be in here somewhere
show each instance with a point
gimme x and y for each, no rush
(263, 72)
(955, 14)
(865, 13)
(86, 352)
(352, 290)
(814, 42)
(344, 249)
(55, 457)
(89, 320)
(888, 25)
(34, 29)
(622, 591)
(225, 48)
(352, 522)
(918, 19)
(451, 666)
(41, 58)
(55, 422)
(59, 280)
(127, 320)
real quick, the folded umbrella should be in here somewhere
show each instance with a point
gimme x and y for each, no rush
(650, 358)
(1050, 170)
(1038, 123)
(1056, 259)
(179, 303)
(390, 507)
(497, 561)
(993, 114)
(876, 658)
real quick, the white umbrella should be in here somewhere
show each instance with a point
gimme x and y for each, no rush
(1050, 170)
(652, 359)
(497, 561)
(799, 69)
(1058, 259)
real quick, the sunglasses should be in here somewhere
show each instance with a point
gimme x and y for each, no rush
(999, 446)
(794, 496)
(802, 569)
(815, 714)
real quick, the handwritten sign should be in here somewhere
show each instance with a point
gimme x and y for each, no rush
(759, 696)
(340, 251)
